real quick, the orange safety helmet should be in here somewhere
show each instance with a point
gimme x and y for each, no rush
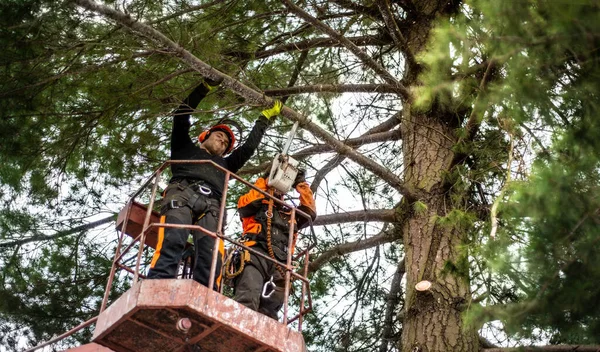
(223, 128)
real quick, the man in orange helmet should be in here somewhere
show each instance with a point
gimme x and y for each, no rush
(194, 192)
(266, 226)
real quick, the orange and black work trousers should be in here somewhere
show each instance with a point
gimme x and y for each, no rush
(249, 286)
(172, 241)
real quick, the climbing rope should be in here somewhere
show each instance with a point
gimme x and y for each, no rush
(269, 243)
(230, 271)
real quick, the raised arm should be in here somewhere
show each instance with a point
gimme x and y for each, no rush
(241, 155)
(180, 135)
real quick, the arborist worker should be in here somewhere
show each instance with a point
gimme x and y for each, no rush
(193, 195)
(266, 229)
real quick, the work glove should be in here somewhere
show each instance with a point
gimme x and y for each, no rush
(300, 177)
(274, 111)
(212, 84)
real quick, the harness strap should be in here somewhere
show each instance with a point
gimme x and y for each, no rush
(194, 196)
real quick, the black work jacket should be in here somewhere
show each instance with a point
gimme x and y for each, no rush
(182, 148)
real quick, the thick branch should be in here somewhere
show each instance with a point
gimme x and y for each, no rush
(323, 171)
(386, 125)
(393, 135)
(332, 88)
(345, 248)
(550, 348)
(78, 229)
(383, 215)
(333, 163)
(366, 59)
(254, 97)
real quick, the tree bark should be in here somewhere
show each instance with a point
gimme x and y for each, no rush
(433, 320)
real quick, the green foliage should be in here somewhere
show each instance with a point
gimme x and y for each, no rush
(558, 209)
(52, 291)
(541, 67)
(456, 219)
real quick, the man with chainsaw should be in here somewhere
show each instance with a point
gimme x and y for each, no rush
(260, 284)
(194, 192)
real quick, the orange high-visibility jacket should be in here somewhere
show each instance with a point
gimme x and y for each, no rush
(252, 207)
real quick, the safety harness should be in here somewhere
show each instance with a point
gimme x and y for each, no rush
(196, 196)
(243, 256)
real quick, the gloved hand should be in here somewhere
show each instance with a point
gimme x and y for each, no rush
(300, 177)
(274, 111)
(212, 84)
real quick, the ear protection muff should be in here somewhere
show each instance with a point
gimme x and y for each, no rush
(202, 137)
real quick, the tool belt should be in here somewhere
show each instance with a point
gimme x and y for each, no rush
(197, 196)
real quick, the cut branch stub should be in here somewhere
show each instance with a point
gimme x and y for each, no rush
(423, 285)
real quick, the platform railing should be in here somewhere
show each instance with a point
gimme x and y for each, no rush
(153, 180)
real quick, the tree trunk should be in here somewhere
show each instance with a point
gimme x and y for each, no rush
(432, 319)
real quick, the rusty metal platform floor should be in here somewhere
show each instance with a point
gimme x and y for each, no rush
(145, 319)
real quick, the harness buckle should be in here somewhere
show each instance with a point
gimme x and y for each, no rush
(174, 204)
(204, 190)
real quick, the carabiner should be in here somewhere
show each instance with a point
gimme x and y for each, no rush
(267, 284)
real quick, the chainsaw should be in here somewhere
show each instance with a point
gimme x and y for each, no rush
(284, 168)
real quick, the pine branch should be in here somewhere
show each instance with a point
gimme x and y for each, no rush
(386, 125)
(350, 247)
(256, 98)
(323, 171)
(337, 160)
(85, 69)
(475, 118)
(78, 229)
(485, 343)
(383, 215)
(366, 59)
(393, 135)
